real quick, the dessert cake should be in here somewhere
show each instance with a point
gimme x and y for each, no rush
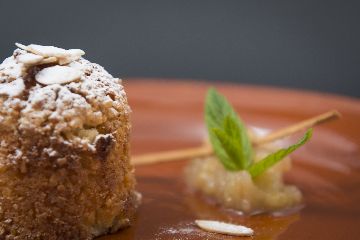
(65, 171)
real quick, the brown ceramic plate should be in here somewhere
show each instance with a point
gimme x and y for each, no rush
(169, 115)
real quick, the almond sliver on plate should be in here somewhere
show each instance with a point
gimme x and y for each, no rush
(224, 228)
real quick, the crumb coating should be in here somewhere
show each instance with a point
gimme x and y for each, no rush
(65, 171)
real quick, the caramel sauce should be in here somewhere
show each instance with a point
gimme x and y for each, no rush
(327, 170)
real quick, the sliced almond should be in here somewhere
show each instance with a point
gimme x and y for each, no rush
(224, 228)
(73, 54)
(22, 46)
(57, 75)
(47, 51)
(63, 56)
(29, 58)
(76, 52)
(48, 60)
(67, 60)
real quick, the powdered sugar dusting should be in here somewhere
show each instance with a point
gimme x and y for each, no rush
(12, 89)
(63, 103)
(10, 68)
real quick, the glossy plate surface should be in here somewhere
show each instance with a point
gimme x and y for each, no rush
(169, 115)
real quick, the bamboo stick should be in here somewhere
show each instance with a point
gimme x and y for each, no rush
(287, 131)
(205, 150)
(172, 155)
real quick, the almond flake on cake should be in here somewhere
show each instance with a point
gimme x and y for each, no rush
(57, 75)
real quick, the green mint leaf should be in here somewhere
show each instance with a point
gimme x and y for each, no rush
(227, 132)
(229, 149)
(237, 131)
(258, 168)
(232, 148)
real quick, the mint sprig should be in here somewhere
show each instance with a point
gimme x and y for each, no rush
(230, 141)
(259, 167)
(227, 133)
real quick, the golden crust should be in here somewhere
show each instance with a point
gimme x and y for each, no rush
(65, 171)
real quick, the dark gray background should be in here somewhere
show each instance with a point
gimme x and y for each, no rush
(297, 44)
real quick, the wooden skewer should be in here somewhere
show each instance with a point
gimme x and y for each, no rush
(287, 131)
(206, 149)
(173, 155)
